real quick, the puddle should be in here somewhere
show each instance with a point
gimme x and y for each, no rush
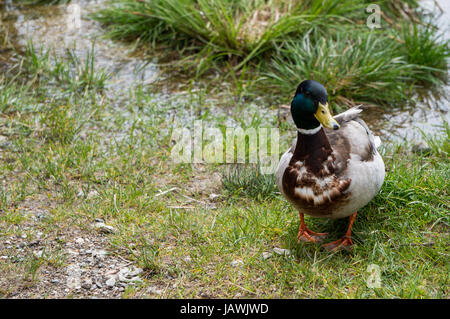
(51, 26)
(67, 26)
(424, 113)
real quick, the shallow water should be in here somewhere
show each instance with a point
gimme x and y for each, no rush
(54, 26)
(425, 113)
(66, 27)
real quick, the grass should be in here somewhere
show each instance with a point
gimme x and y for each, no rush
(70, 73)
(366, 69)
(59, 147)
(285, 42)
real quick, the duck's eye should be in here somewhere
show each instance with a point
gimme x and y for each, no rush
(323, 112)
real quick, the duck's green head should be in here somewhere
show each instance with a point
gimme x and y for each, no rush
(309, 108)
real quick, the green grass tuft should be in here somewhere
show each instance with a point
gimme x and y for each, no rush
(292, 41)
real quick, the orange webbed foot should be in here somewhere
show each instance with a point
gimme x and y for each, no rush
(345, 243)
(305, 234)
(310, 236)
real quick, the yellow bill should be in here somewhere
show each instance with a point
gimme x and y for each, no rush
(323, 115)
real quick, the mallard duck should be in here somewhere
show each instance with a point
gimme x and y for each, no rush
(333, 168)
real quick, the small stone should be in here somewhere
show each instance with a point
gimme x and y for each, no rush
(103, 228)
(187, 259)
(213, 196)
(55, 281)
(79, 241)
(33, 243)
(236, 263)
(129, 274)
(111, 282)
(136, 279)
(266, 255)
(99, 285)
(92, 194)
(74, 276)
(99, 253)
(281, 251)
(154, 290)
(72, 252)
(87, 283)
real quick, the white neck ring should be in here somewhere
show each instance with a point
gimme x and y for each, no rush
(310, 132)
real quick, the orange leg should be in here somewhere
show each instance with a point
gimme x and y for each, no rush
(346, 241)
(305, 234)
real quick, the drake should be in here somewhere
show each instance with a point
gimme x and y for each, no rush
(333, 168)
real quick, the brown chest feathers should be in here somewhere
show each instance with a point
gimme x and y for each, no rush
(312, 179)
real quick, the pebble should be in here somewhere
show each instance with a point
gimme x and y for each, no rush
(40, 216)
(92, 193)
(103, 228)
(213, 196)
(87, 283)
(34, 243)
(72, 252)
(128, 274)
(99, 253)
(74, 277)
(79, 241)
(281, 251)
(266, 255)
(111, 282)
(154, 290)
(188, 259)
(236, 263)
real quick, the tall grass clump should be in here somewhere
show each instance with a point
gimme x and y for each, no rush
(233, 29)
(425, 48)
(289, 41)
(71, 72)
(248, 181)
(366, 67)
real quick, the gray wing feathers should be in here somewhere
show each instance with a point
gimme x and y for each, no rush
(348, 115)
(352, 114)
